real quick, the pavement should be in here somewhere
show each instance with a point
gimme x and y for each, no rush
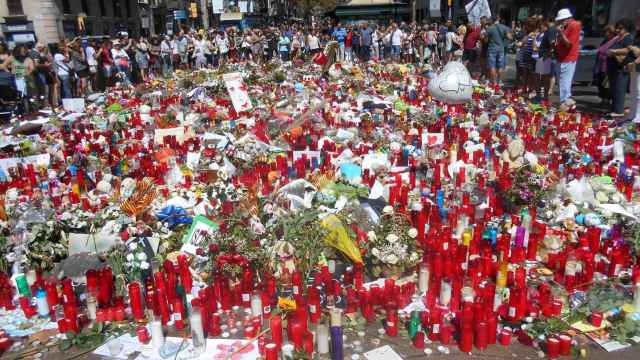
(585, 95)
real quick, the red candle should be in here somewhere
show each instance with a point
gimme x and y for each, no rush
(308, 343)
(565, 344)
(271, 351)
(553, 347)
(143, 334)
(276, 329)
(505, 336)
(481, 335)
(135, 299)
(295, 332)
(445, 334)
(465, 343)
(418, 340)
(596, 319)
(392, 323)
(492, 324)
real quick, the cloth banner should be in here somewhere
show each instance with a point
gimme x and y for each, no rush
(477, 9)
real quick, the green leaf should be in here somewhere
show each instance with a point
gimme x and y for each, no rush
(70, 335)
(65, 345)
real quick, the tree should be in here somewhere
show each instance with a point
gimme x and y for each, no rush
(312, 7)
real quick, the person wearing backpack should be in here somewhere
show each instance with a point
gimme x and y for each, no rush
(497, 36)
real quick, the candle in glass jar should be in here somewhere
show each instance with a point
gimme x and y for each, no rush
(276, 329)
(135, 300)
(553, 347)
(271, 351)
(565, 344)
(423, 279)
(322, 335)
(256, 305)
(197, 329)
(445, 292)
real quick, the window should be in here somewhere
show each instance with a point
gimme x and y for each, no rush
(103, 9)
(116, 8)
(15, 7)
(66, 7)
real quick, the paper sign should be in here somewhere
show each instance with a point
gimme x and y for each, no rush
(309, 154)
(237, 91)
(73, 105)
(214, 349)
(477, 9)
(159, 134)
(382, 353)
(432, 139)
(35, 160)
(200, 224)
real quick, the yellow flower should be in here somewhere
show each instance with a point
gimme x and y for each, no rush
(539, 169)
(287, 304)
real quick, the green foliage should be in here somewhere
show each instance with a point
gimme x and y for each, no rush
(94, 336)
(47, 247)
(317, 7)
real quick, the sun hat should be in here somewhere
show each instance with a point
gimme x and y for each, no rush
(563, 14)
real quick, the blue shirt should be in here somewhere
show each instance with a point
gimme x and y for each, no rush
(340, 34)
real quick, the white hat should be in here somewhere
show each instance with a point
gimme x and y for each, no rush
(563, 14)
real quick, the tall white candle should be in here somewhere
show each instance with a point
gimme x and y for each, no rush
(322, 338)
(197, 331)
(445, 292)
(256, 305)
(423, 279)
(157, 336)
(636, 297)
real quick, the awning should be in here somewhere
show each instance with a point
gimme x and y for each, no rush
(373, 11)
(235, 16)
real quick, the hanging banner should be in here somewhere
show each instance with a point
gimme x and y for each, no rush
(434, 8)
(477, 9)
(217, 6)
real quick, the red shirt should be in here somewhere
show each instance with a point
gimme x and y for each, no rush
(569, 53)
(472, 37)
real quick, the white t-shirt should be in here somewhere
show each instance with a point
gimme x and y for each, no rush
(312, 40)
(449, 40)
(396, 37)
(63, 68)
(223, 44)
(118, 54)
(90, 53)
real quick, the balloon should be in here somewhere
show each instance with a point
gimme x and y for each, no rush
(453, 85)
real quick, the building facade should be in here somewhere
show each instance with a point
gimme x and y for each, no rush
(49, 21)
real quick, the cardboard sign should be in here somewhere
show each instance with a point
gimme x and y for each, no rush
(73, 105)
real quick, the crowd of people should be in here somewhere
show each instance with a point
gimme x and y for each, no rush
(546, 53)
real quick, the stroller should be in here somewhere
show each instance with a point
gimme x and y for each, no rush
(9, 97)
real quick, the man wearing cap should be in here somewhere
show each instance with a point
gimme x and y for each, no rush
(567, 48)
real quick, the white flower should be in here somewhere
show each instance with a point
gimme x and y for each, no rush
(392, 238)
(388, 209)
(375, 252)
(413, 233)
(133, 246)
(130, 257)
(371, 235)
(391, 259)
(144, 265)
(142, 256)
(413, 257)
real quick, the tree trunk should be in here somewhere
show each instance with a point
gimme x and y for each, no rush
(413, 11)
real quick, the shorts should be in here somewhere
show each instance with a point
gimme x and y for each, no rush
(395, 50)
(543, 66)
(496, 59)
(555, 68)
(470, 55)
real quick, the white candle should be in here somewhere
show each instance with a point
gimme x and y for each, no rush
(287, 351)
(467, 294)
(42, 303)
(322, 338)
(331, 264)
(91, 307)
(197, 331)
(445, 292)
(423, 279)
(256, 305)
(636, 297)
(157, 336)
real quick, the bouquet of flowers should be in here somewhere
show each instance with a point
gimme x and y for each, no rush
(391, 247)
(527, 185)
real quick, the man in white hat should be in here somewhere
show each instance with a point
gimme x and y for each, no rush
(567, 48)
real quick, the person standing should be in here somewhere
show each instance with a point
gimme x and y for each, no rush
(634, 68)
(619, 75)
(600, 67)
(366, 40)
(64, 70)
(339, 35)
(348, 41)
(470, 52)
(497, 36)
(165, 54)
(567, 49)
(396, 42)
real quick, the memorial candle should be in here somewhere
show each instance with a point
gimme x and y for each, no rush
(276, 329)
(336, 335)
(135, 300)
(322, 336)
